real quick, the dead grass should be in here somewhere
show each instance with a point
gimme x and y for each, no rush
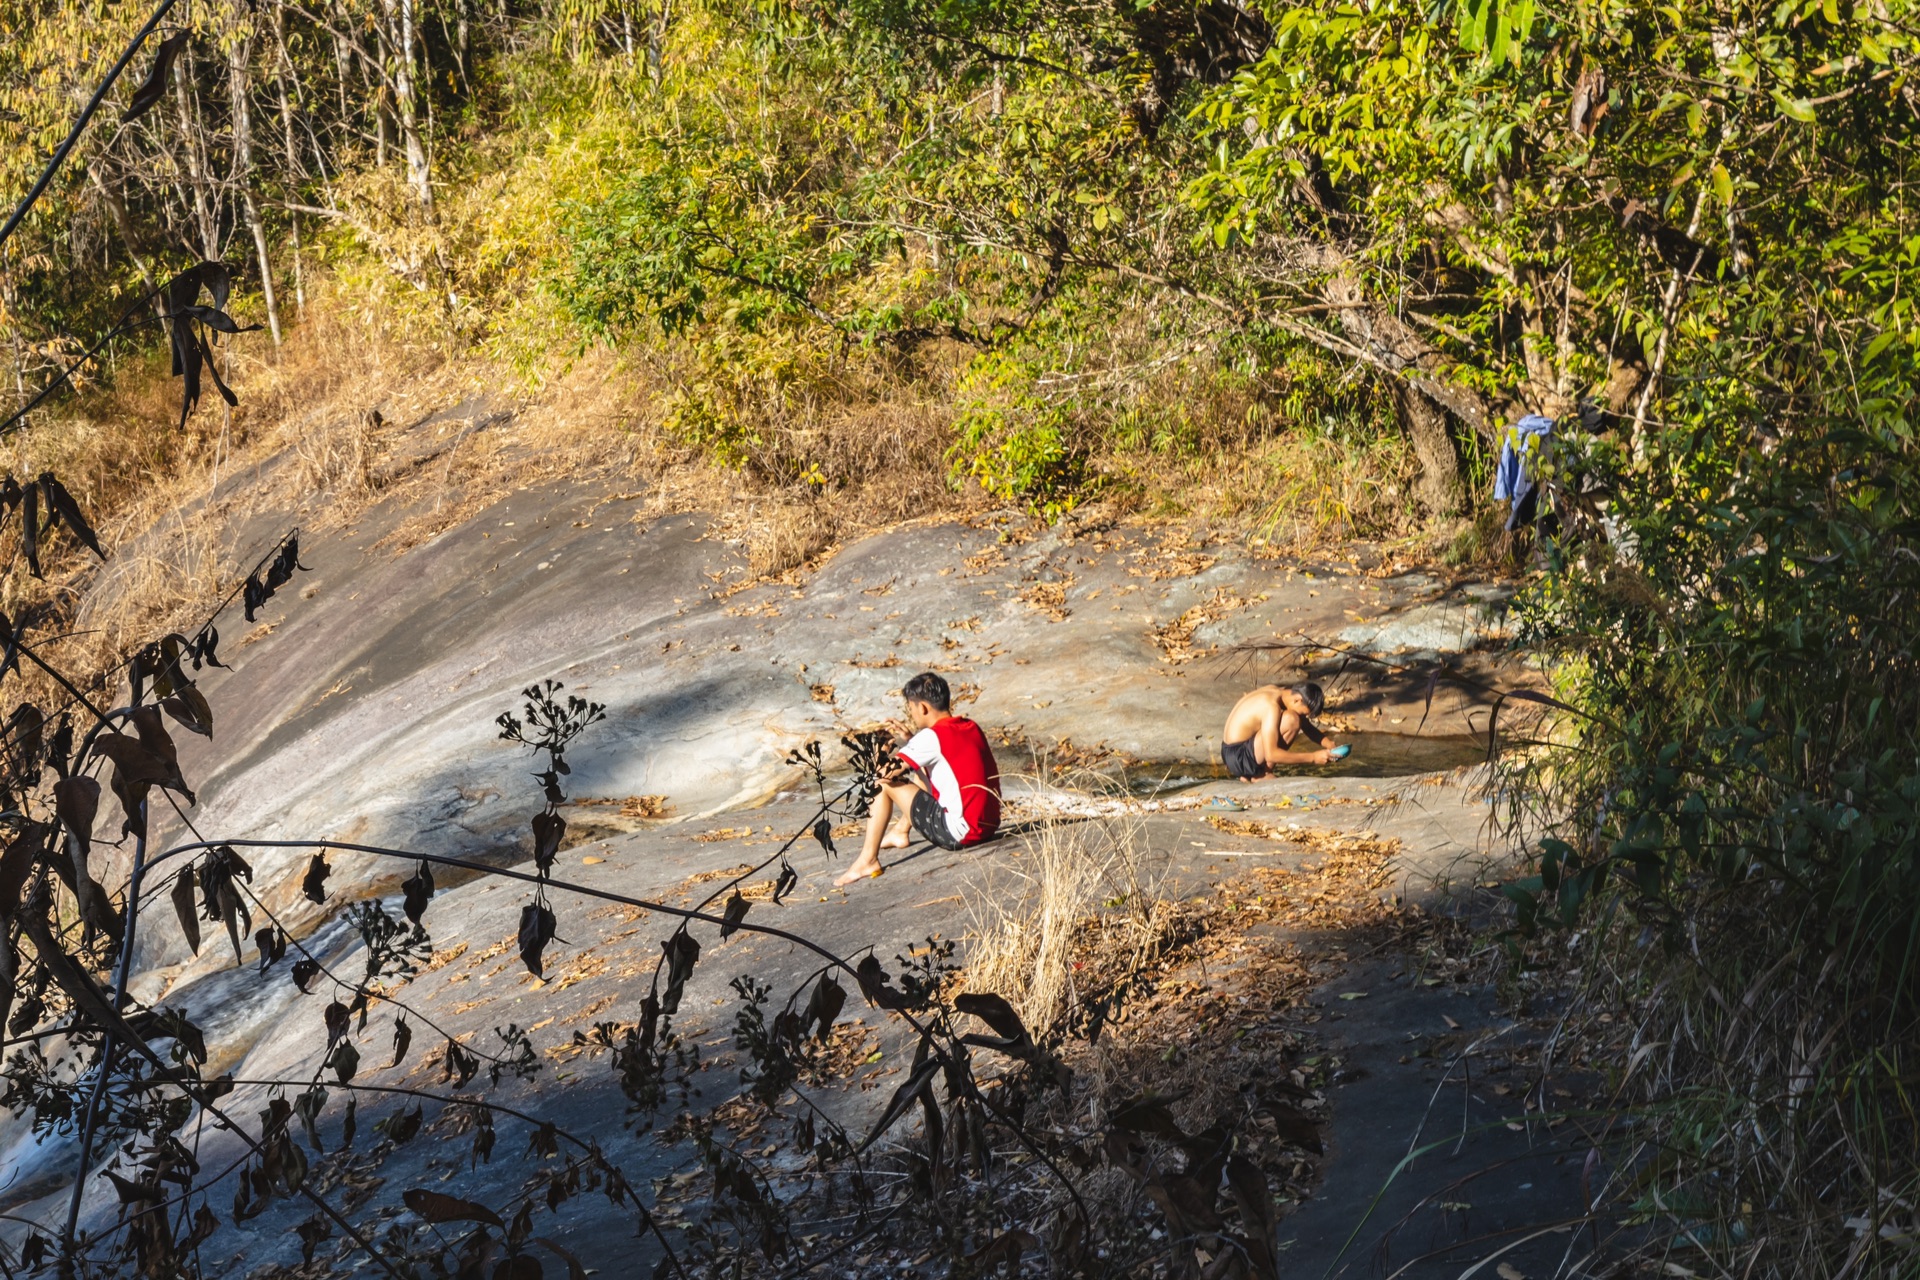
(1029, 918)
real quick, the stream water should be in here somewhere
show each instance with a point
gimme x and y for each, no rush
(1374, 755)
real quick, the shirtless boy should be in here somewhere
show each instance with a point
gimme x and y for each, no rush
(944, 782)
(1264, 724)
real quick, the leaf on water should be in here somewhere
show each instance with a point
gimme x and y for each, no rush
(402, 1037)
(735, 912)
(536, 931)
(682, 953)
(418, 890)
(315, 883)
(824, 1006)
(186, 908)
(432, 1206)
(823, 832)
(788, 879)
(154, 87)
(304, 972)
(547, 830)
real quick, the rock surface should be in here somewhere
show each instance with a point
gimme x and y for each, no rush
(363, 711)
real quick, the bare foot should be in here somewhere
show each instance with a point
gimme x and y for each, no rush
(896, 838)
(857, 872)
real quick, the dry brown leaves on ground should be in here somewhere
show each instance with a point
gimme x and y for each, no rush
(1175, 639)
(1049, 598)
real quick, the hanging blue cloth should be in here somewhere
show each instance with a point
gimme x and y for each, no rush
(1513, 478)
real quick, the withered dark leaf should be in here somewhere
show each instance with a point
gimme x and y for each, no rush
(186, 908)
(459, 1065)
(920, 1082)
(575, 1269)
(824, 1005)
(418, 890)
(536, 931)
(788, 878)
(253, 595)
(544, 1140)
(154, 87)
(522, 1266)
(401, 1126)
(315, 883)
(402, 1037)
(682, 953)
(272, 944)
(304, 972)
(995, 1012)
(345, 1060)
(433, 1206)
(60, 503)
(30, 529)
(189, 707)
(337, 1016)
(876, 986)
(736, 911)
(548, 828)
(823, 832)
(1150, 1114)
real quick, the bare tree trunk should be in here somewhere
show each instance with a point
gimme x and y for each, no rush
(463, 42)
(406, 101)
(283, 66)
(122, 223)
(206, 203)
(1439, 487)
(239, 86)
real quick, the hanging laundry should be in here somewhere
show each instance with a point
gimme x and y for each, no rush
(1515, 478)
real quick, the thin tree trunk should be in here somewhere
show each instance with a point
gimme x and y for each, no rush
(205, 207)
(122, 223)
(239, 86)
(406, 101)
(463, 42)
(282, 67)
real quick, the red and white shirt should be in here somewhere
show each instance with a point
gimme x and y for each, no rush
(961, 772)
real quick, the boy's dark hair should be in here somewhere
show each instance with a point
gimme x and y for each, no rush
(1313, 696)
(929, 688)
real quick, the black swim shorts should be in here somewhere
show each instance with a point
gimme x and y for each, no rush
(930, 820)
(1240, 760)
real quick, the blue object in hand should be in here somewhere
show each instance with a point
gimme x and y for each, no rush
(1340, 752)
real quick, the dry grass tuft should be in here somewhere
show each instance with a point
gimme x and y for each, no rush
(1030, 919)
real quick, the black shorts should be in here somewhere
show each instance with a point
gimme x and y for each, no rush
(1240, 760)
(930, 820)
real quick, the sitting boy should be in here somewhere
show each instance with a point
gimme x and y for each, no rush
(952, 794)
(1264, 724)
